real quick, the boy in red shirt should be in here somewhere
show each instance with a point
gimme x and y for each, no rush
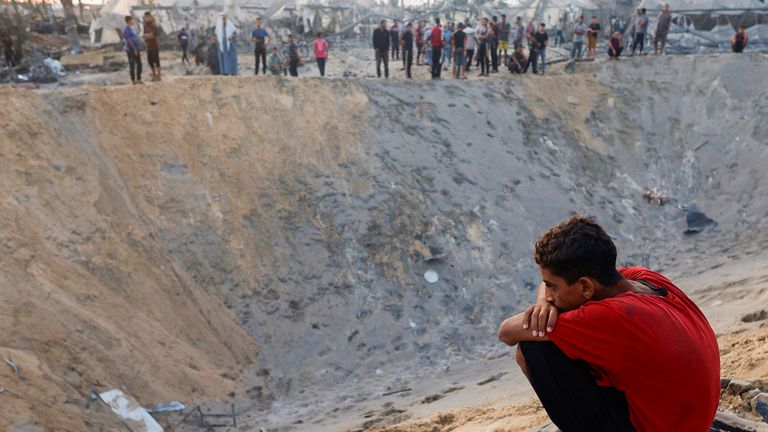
(613, 350)
(437, 43)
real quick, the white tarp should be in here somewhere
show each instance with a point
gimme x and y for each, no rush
(133, 414)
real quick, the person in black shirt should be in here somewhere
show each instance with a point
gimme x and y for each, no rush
(458, 40)
(381, 48)
(406, 39)
(293, 57)
(542, 40)
(517, 62)
(593, 32)
(394, 37)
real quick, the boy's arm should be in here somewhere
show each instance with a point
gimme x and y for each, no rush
(514, 330)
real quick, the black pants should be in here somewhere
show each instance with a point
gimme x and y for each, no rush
(293, 67)
(495, 56)
(382, 56)
(261, 52)
(153, 58)
(134, 65)
(437, 54)
(184, 46)
(482, 60)
(639, 41)
(470, 56)
(408, 60)
(569, 393)
(533, 61)
(618, 52)
(395, 47)
(321, 66)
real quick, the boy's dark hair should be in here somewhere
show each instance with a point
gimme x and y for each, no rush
(437, 21)
(128, 19)
(577, 248)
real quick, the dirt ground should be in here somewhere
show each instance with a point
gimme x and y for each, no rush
(265, 240)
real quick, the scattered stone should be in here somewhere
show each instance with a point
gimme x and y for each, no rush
(573, 100)
(492, 378)
(755, 316)
(403, 390)
(738, 387)
(724, 383)
(697, 222)
(432, 398)
(760, 405)
(728, 422)
(656, 196)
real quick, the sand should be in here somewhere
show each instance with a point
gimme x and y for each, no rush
(263, 239)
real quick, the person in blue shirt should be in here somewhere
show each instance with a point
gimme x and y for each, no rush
(261, 40)
(133, 50)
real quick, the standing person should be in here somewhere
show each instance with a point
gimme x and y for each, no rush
(152, 39)
(321, 52)
(381, 48)
(9, 51)
(483, 40)
(579, 30)
(261, 40)
(615, 46)
(505, 29)
(394, 40)
(542, 41)
(559, 37)
(593, 33)
(471, 46)
(740, 40)
(133, 50)
(183, 39)
(641, 29)
(447, 33)
(213, 56)
(609, 349)
(519, 33)
(437, 43)
(275, 62)
(494, 45)
(407, 41)
(226, 37)
(419, 36)
(459, 42)
(662, 30)
(293, 57)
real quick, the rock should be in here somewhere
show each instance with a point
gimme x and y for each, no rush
(573, 100)
(698, 222)
(755, 316)
(724, 382)
(726, 421)
(760, 405)
(738, 387)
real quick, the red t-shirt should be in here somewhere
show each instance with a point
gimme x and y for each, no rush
(321, 48)
(436, 37)
(658, 349)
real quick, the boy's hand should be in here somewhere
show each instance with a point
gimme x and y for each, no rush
(540, 317)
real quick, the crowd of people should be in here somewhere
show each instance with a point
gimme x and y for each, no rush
(488, 44)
